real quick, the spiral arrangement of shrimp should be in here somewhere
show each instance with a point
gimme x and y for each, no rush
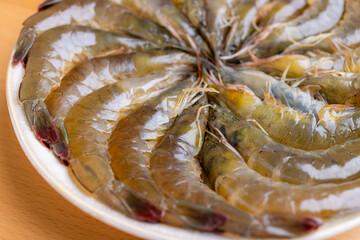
(238, 116)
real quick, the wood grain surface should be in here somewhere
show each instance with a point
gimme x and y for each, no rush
(29, 207)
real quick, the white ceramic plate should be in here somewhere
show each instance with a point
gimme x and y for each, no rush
(59, 178)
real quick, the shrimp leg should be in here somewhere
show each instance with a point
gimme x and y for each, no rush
(131, 144)
(174, 164)
(89, 124)
(54, 53)
(100, 14)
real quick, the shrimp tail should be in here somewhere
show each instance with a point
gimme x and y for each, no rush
(61, 148)
(126, 199)
(48, 3)
(195, 215)
(23, 45)
(289, 225)
(41, 121)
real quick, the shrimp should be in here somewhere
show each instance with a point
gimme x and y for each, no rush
(320, 16)
(283, 163)
(93, 13)
(89, 125)
(130, 147)
(344, 35)
(336, 125)
(53, 54)
(173, 164)
(246, 12)
(343, 88)
(257, 81)
(165, 13)
(248, 190)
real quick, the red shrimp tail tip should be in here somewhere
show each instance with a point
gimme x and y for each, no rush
(290, 225)
(137, 204)
(41, 121)
(197, 216)
(61, 148)
(47, 4)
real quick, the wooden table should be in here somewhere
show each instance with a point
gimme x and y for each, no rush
(29, 207)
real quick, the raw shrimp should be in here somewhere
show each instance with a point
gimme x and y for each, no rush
(53, 54)
(103, 14)
(340, 38)
(165, 13)
(257, 81)
(174, 164)
(130, 147)
(336, 125)
(245, 13)
(320, 16)
(89, 125)
(341, 88)
(248, 190)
